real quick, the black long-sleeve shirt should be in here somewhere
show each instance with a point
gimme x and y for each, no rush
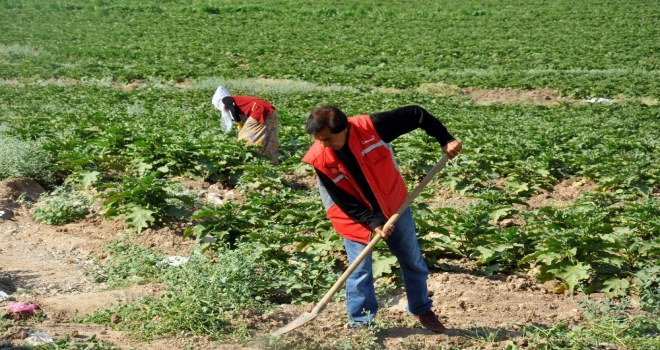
(389, 125)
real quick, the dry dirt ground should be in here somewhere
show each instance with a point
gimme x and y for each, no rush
(46, 265)
(541, 96)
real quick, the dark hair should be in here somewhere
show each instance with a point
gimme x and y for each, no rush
(329, 116)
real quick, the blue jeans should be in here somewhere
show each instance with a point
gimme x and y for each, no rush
(360, 293)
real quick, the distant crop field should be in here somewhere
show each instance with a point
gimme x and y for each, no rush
(595, 48)
(109, 102)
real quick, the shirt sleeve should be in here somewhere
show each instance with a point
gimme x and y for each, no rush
(355, 210)
(392, 124)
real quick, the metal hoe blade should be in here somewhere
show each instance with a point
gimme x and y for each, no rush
(308, 316)
(301, 320)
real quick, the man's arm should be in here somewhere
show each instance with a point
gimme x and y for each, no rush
(394, 123)
(349, 205)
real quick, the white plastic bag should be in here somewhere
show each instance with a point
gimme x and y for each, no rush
(38, 338)
(225, 120)
(174, 260)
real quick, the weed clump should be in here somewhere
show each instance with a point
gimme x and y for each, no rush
(205, 296)
(62, 206)
(24, 158)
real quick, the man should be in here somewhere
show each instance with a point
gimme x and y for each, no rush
(361, 187)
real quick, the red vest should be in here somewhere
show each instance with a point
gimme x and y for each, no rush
(376, 159)
(254, 107)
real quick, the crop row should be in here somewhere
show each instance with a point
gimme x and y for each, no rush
(605, 49)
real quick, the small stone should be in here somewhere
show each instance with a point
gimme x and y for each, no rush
(104, 332)
(520, 285)
(20, 334)
(214, 199)
(507, 223)
(6, 214)
(510, 278)
(229, 196)
(521, 342)
(115, 319)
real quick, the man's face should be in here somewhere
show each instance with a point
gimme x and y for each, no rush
(328, 139)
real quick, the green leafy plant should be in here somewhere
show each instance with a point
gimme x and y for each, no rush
(24, 158)
(595, 243)
(605, 323)
(203, 296)
(130, 263)
(145, 201)
(62, 206)
(647, 281)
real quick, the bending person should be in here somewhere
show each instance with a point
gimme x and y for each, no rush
(256, 119)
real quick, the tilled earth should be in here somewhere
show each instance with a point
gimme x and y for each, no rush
(49, 266)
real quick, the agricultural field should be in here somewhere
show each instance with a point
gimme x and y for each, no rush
(134, 222)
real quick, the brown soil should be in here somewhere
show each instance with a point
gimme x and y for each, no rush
(501, 95)
(562, 193)
(470, 306)
(131, 86)
(300, 181)
(184, 84)
(543, 96)
(46, 265)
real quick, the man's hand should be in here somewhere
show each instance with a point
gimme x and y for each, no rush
(453, 148)
(385, 233)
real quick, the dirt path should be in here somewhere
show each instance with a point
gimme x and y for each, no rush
(470, 306)
(47, 265)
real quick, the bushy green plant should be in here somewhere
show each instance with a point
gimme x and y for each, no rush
(648, 287)
(204, 295)
(283, 211)
(146, 200)
(23, 158)
(130, 263)
(594, 244)
(605, 322)
(62, 206)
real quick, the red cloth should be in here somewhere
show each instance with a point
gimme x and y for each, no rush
(254, 107)
(20, 307)
(377, 163)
